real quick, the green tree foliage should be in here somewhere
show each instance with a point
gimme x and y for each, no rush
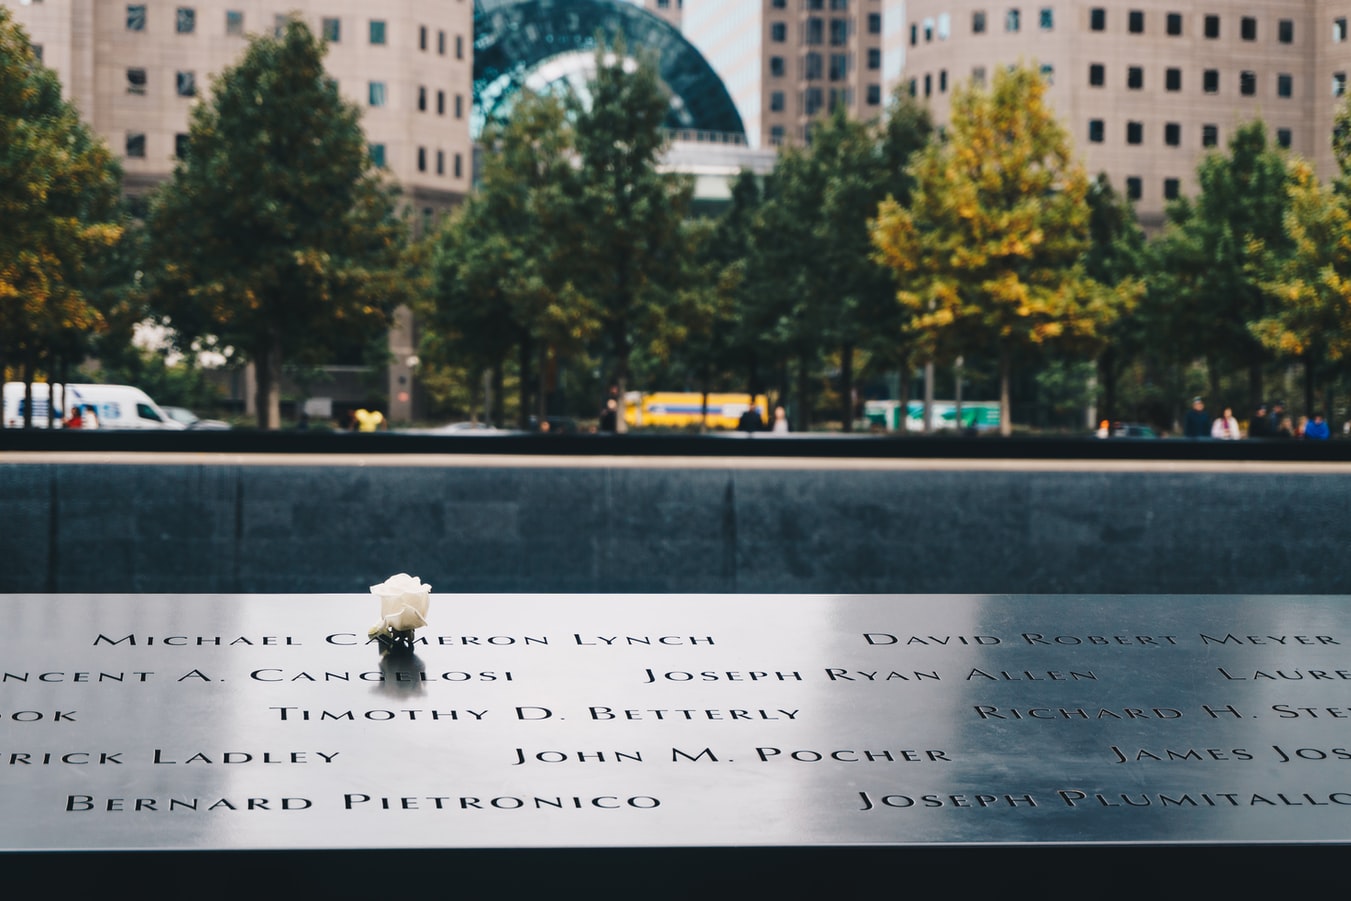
(59, 214)
(1216, 252)
(505, 265)
(990, 250)
(1116, 256)
(1310, 318)
(276, 236)
(629, 215)
(820, 287)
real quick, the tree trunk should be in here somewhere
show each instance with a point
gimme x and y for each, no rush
(1255, 398)
(957, 394)
(803, 380)
(1308, 385)
(499, 418)
(928, 397)
(1107, 380)
(27, 394)
(525, 351)
(847, 386)
(1005, 408)
(903, 418)
(268, 396)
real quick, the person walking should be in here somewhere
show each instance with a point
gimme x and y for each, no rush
(1317, 429)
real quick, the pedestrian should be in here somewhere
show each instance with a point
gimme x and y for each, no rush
(1197, 423)
(1226, 427)
(750, 420)
(1260, 426)
(609, 416)
(1317, 429)
(76, 419)
(780, 419)
(1279, 418)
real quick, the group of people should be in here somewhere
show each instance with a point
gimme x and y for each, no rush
(1266, 422)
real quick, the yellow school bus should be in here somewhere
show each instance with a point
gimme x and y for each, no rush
(678, 409)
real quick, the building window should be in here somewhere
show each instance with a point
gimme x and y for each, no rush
(440, 103)
(978, 75)
(440, 43)
(376, 93)
(1097, 19)
(1283, 138)
(135, 81)
(422, 159)
(776, 68)
(1247, 28)
(1210, 135)
(875, 94)
(1338, 84)
(278, 25)
(37, 52)
(1172, 134)
(1134, 188)
(136, 22)
(1285, 31)
(978, 22)
(1247, 83)
(1210, 81)
(378, 37)
(927, 26)
(459, 106)
(874, 23)
(186, 84)
(332, 30)
(914, 35)
(422, 98)
(377, 155)
(1172, 79)
(839, 32)
(459, 46)
(1135, 132)
(1097, 75)
(1095, 131)
(1135, 77)
(812, 98)
(776, 135)
(839, 66)
(234, 22)
(1047, 75)
(1011, 20)
(422, 41)
(185, 20)
(1285, 85)
(440, 162)
(181, 146)
(815, 32)
(1212, 27)
(928, 84)
(1135, 22)
(776, 101)
(1174, 24)
(778, 32)
(1046, 19)
(1171, 188)
(944, 26)
(874, 58)
(136, 145)
(811, 66)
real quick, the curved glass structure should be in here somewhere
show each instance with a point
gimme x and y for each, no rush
(540, 42)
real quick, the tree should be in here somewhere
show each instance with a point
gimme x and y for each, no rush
(629, 213)
(990, 249)
(1311, 288)
(1218, 249)
(504, 271)
(59, 188)
(276, 235)
(1116, 256)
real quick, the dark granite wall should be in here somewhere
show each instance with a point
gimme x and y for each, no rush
(90, 527)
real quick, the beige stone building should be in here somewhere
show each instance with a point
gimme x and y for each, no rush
(134, 69)
(1147, 87)
(787, 63)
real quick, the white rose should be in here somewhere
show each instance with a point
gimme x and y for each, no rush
(403, 602)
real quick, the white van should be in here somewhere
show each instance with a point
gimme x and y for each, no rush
(115, 406)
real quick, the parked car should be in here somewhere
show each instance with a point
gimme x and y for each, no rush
(1133, 430)
(191, 420)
